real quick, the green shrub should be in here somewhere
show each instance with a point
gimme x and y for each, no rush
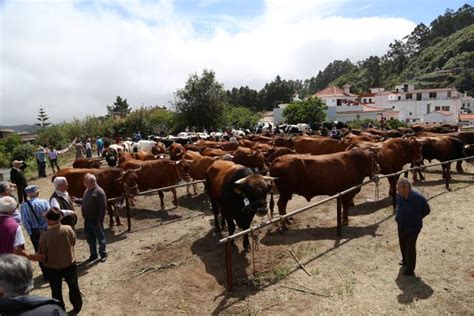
(23, 152)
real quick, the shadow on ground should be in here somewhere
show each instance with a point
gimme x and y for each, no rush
(413, 288)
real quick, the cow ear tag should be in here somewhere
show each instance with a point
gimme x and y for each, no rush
(246, 202)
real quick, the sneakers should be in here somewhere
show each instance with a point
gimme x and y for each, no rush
(103, 258)
(91, 259)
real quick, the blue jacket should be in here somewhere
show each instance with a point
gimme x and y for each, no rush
(410, 212)
(30, 305)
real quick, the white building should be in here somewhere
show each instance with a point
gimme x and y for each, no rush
(466, 119)
(467, 105)
(415, 104)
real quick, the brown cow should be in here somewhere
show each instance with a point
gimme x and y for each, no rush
(192, 155)
(86, 163)
(237, 194)
(176, 151)
(385, 134)
(198, 168)
(114, 181)
(394, 154)
(250, 158)
(283, 142)
(280, 151)
(317, 145)
(310, 175)
(157, 174)
(213, 152)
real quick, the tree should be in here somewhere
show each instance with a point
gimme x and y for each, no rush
(240, 117)
(201, 102)
(120, 107)
(42, 118)
(418, 39)
(276, 91)
(332, 71)
(309, 111)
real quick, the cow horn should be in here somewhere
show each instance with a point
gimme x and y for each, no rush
(240, 181)
(268, 178)
(138, 169)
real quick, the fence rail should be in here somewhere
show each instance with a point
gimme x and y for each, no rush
(338, 196)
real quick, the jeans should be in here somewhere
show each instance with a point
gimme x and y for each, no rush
(54, 163)
(95, 233)
(407, 242)
(69, 274)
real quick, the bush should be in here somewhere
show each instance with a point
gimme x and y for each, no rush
(394, 124)
(311, 110)
(240, 117)
(359, 124)
(23, 152)
(4, 160)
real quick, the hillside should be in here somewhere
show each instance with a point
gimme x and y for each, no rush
(441, 55)
(29, 128)
(449, 62)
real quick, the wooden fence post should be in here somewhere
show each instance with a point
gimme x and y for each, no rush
(228, 264)
(339, 216)
(129, 221)
(447, 176)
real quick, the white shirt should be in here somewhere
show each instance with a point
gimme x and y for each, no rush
(19, 239)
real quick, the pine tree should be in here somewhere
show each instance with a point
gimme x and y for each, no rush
(42, 118)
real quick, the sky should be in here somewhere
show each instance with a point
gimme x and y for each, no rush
(74, 57)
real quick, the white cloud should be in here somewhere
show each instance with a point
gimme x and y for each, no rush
(75, 60)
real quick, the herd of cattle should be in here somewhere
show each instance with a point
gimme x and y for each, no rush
(239, 173)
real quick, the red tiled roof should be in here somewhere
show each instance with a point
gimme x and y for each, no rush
(333, 91)
(366, 94)
(466, 117)
(369, 108)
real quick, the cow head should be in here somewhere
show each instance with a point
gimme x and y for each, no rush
(183, 168)
(413, 150)
(129, 179)
(468, 151)
(254, 189)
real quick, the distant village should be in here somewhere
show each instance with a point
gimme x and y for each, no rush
(404, 103)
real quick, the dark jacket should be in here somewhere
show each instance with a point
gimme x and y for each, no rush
(18, 178)
(29, 305)
(94, 204)
(410, 212)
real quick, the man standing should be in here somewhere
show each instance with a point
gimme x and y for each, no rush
(411, 208)
(40, 156)
(61, 200)
(88, 148)
(18, 178)
(5, 190)
(32, 217)
(79, 149)
(53, 158)
(56, 246)
(16, 282)
(100, 146)
(94, 206)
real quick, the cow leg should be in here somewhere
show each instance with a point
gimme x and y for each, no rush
(443, 167)
(117, 215)
(447, 173)
(111, 215)
(215, 211)
(231, 225)
(195, 188)
(347, 202)
(162, 196)
(282, 203)
(393, 185)
(175, 197)
(459, 167)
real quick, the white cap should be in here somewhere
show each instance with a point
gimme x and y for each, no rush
(7, 205)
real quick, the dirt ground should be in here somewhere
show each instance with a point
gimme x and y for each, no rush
(171, 261)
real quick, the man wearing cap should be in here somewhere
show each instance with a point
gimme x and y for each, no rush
(32, 216)
(11, 236)
(56, 246)
(18, 178)
(61, 200)
(40, 156)
(5, 190)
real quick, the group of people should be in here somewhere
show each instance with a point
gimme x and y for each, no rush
(51, 154)
(85, 149)
(50, 225)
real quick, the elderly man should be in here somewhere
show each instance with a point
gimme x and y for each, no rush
(16, 282)
(412, 207)
(94, 206)
(32, 216)
(18, 178)
(57, 249)
(11, 236)
(6, 190)
(61, 200)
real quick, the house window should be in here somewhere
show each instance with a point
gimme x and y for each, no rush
(418, 96)
(339, 102)
(409, 96)
(393, 107)
(432, 95)
(437, 108)
(449, 94)
(399, 98)
(409, 113)
(428, 108)
(445, 108)
(370, 100)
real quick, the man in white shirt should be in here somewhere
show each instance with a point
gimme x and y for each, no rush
(61, 200)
